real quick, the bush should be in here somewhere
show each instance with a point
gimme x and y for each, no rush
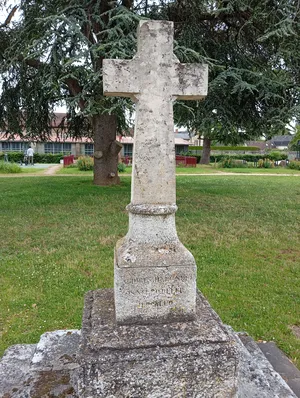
(227, 148)
(294, 164)
(229, 163)
(18, 157)
(9, 167)
(15, 157)
(85, 163)
(265, 164)
(121, 167)
(47, 157)
(277, 155)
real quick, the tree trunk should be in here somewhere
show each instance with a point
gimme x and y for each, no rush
(205, 157)
(106, 150)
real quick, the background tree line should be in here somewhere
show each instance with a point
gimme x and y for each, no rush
(53, 53)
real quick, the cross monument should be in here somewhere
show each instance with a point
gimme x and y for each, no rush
(155, 275)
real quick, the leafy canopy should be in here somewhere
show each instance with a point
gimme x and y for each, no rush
(54, 54)
(252, 51)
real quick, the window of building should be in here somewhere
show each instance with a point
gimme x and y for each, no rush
(89, 149)
(13, 146)
(5, 146)
(179, 149)
(128, 150)
(57, 147)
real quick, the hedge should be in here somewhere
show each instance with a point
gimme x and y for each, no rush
(227, 148)
(276, 156)
(247, 157)
(17, 157)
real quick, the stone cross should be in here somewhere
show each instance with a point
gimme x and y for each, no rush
(155, 276)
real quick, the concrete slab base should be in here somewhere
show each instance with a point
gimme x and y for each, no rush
(43, 370)
(203, 358)
(282, 364)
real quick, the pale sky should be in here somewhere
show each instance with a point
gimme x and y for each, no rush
(4, 11)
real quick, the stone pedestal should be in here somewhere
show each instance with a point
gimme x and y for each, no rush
(183, 359)
(154, 274)
(203, 358)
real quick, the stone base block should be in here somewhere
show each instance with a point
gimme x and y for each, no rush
(198, 359)
(187, 359)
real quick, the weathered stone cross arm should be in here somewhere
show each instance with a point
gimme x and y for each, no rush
(154, 63)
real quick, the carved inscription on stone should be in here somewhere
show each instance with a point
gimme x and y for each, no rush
(160, 291)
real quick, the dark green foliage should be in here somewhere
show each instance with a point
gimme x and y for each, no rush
(85, 163)
(121, 167)
(227, 148)
(277, 155)
(54, 53)
(18, 157)
(254, 62)
(296, 139)
(247, 157)
(229, 163)
(295, 165)
(265, 164)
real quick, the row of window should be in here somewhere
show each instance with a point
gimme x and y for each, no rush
(49, 147)
(14, 146)
(58, 147)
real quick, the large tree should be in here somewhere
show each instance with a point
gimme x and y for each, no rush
(252, 48)
(56, 50)
(53, 53)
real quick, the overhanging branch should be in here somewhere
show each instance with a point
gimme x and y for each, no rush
(10, 17)
(72, 84)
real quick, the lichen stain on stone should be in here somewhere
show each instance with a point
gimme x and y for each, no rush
(50, 380)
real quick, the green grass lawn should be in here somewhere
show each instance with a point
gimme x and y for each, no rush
(205, 169)
(32, 170)
(128, 171)
(275, 170)
(58, 235)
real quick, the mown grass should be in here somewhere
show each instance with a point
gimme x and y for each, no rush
(32, 170)
(256, 170)
(57, 239)
(204, 169)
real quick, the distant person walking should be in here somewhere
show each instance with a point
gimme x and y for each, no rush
(30, 153)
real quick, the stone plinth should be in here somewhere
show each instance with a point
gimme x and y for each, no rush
(183, 359)
(202, 359)
(154, 274)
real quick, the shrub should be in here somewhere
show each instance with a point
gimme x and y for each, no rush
(265, 164)
(230, 163)
(9, 167)
(17, 157)
(85, 163)
(121, 167)
(47, 157)
(294, 164)
(227, 148)
(277, 155)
